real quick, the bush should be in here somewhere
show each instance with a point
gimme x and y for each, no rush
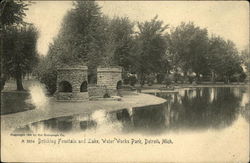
(132, 80)
(150, 79)
(160, 78)
(243, 76)
(126, 81)
(190, 79)
(177, 77)
(49, 79)
(47, 74)
(168, 81)
(2, 83)
(238, 77)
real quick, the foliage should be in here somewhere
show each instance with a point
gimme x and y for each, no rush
(177, 77)
(129, 79)
(160, 77)
(88, 37)
(12, 12)
(81, 37)
(19, 49)
(132, 80)
(245, 58)
(191, 79)
(223, 58)
(18, 41)
(150, 79)
(149, 48)
(188, 48)
(118, 42)
(168, 81)
(46, 73)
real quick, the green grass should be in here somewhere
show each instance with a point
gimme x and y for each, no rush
(13, 101)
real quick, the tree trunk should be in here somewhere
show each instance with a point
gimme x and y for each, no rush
(198, 76)
(185, 77)
(213, 77)
(142, 79)
(19, 83)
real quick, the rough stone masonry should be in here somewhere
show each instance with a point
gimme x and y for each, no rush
(71, 82)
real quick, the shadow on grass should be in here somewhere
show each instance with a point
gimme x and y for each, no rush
(15, 101)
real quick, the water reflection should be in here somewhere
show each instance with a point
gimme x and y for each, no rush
(190, 109)
(203, 108)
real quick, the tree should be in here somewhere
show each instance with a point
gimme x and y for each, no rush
(12, 12)
(188, 46)
(81, 38)
(19, 49)
(245, 57)
(119, 41)
(47, 73)
(18, 41)
(150, 47)
(223, 58)
(88, 38)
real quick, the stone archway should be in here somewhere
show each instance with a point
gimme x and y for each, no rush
(69, 83)
(65, 86)
(119, 84)
(84, 87)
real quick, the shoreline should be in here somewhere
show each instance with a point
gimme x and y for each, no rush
(56, 109)
(158, 86)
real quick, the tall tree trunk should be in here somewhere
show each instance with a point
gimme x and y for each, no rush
(142, 79)
(228, 79)
(213, 77)
(198, 76)
(185, 77)
(19, 83)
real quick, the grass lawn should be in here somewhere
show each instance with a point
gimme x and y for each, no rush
(13, 101)
(10, 85)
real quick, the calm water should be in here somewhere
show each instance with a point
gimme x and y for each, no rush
(196, 109)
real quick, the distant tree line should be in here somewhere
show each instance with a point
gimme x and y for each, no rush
(142, 48)
(150, 50)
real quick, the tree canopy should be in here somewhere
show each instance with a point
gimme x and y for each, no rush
(188, 44)
(223, 58)
(150, 48)
(146, 49)
(18, 42)
(12, 12)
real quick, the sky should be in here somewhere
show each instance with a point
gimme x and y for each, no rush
(228, 19)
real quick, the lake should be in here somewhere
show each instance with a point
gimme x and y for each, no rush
(191, 109)
(196, 125)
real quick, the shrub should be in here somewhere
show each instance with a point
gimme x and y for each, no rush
(160, 78)
(168, 81)
(238, 77)
(177, 77)
(132, 80)
(190, 79)
(150, 79)
(46, 73)
(2, 83)
(49, 79)
(125, 81)
(243, 76)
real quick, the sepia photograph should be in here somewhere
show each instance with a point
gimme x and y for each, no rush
(124, 81)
